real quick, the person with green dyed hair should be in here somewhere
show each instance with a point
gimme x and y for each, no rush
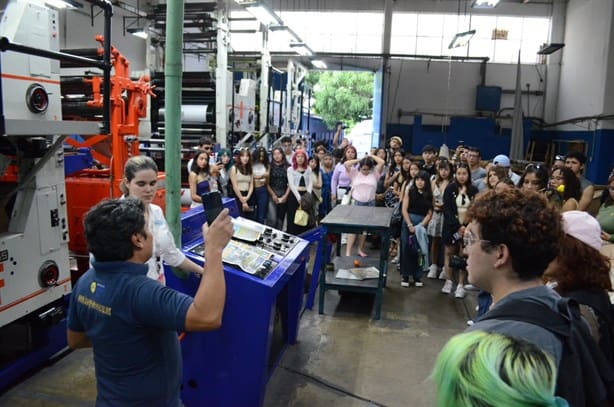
(489, 369)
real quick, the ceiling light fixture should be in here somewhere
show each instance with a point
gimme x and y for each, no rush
(301, 48)
(461, 39)
(485, 3)
(262, 13)
(62, 4)
(285, 33)
(138, 32)
(319, 64)
(548, 49)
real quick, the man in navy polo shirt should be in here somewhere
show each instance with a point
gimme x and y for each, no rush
(131, 320)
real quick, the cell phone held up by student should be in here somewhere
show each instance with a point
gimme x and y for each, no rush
(212, 204)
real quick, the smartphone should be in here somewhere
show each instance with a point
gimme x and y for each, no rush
(212, 204)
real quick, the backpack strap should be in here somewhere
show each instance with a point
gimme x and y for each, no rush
(531, 313)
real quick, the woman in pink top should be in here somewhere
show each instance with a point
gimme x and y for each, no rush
(364, 183)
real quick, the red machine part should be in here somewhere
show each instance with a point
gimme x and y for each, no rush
(89, 186)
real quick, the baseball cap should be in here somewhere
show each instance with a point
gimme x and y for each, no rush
(398, 139)
(583, 227)
(502, 161)
(429, 148)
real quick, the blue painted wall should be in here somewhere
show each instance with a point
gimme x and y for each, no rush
(492, 140)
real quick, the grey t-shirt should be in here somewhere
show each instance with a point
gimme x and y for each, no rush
(537, 335)
(477, 175)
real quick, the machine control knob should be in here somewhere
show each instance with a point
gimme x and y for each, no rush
(37, 98)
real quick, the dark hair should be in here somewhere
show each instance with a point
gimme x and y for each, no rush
(109, 227)
(579, 267)
(427, 192)
(283, 155)
(525, 222)
(134, 165)
(465, 166)
(540, 171)
(385, 153)
(366, 162)
(204, 140)
(195, 168)
(578, 155)
(607, 200)
(393, 164)
(317, 160)
(256, 157)
(572, 184)
(443, 164)
(286, 139)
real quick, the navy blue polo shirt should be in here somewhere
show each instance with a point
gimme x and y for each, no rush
(132, 322)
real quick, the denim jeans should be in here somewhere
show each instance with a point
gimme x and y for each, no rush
(409, 264)
(261, 200)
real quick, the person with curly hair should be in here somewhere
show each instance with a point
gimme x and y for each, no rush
(489, 369)
(511, 239)
(581, 272)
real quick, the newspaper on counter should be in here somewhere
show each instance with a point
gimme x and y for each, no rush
(361, 273)
(249, 258)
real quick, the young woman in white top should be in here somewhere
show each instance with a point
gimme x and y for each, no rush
(260, 170)
(140, 179)
(435, 226)
(300, 183)
(242, 180)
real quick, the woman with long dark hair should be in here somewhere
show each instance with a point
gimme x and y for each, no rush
(278, 185)
(417, 209)
(456, 199)
(565, 182)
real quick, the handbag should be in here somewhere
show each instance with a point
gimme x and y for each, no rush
(301, 217)
(396, 220)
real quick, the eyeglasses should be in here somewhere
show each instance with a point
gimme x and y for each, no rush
(469, 240)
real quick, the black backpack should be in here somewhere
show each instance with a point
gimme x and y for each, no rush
(599, 301)
(585, 377)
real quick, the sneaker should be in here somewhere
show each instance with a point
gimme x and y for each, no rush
(418, 283)
(470, 322)
(405, 282)
(460, 292)
(432, 271)
(447, 287)
(395, 260)
(442, 275)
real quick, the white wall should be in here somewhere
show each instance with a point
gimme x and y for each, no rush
(585, 60)
(423, 87)
(608, 103)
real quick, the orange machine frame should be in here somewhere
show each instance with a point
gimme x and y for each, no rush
(89, 186)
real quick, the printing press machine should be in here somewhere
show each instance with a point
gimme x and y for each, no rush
(232, 365)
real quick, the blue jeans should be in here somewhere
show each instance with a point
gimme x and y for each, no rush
(410, 264)
(484, 302)
(261, 200)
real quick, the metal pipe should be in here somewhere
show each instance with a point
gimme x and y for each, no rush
(172, 104)
(7, 45)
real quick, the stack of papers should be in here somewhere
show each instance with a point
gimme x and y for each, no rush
(362, 273)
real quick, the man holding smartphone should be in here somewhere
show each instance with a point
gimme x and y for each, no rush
(130, 320)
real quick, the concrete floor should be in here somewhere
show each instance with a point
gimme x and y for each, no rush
(343, 358)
